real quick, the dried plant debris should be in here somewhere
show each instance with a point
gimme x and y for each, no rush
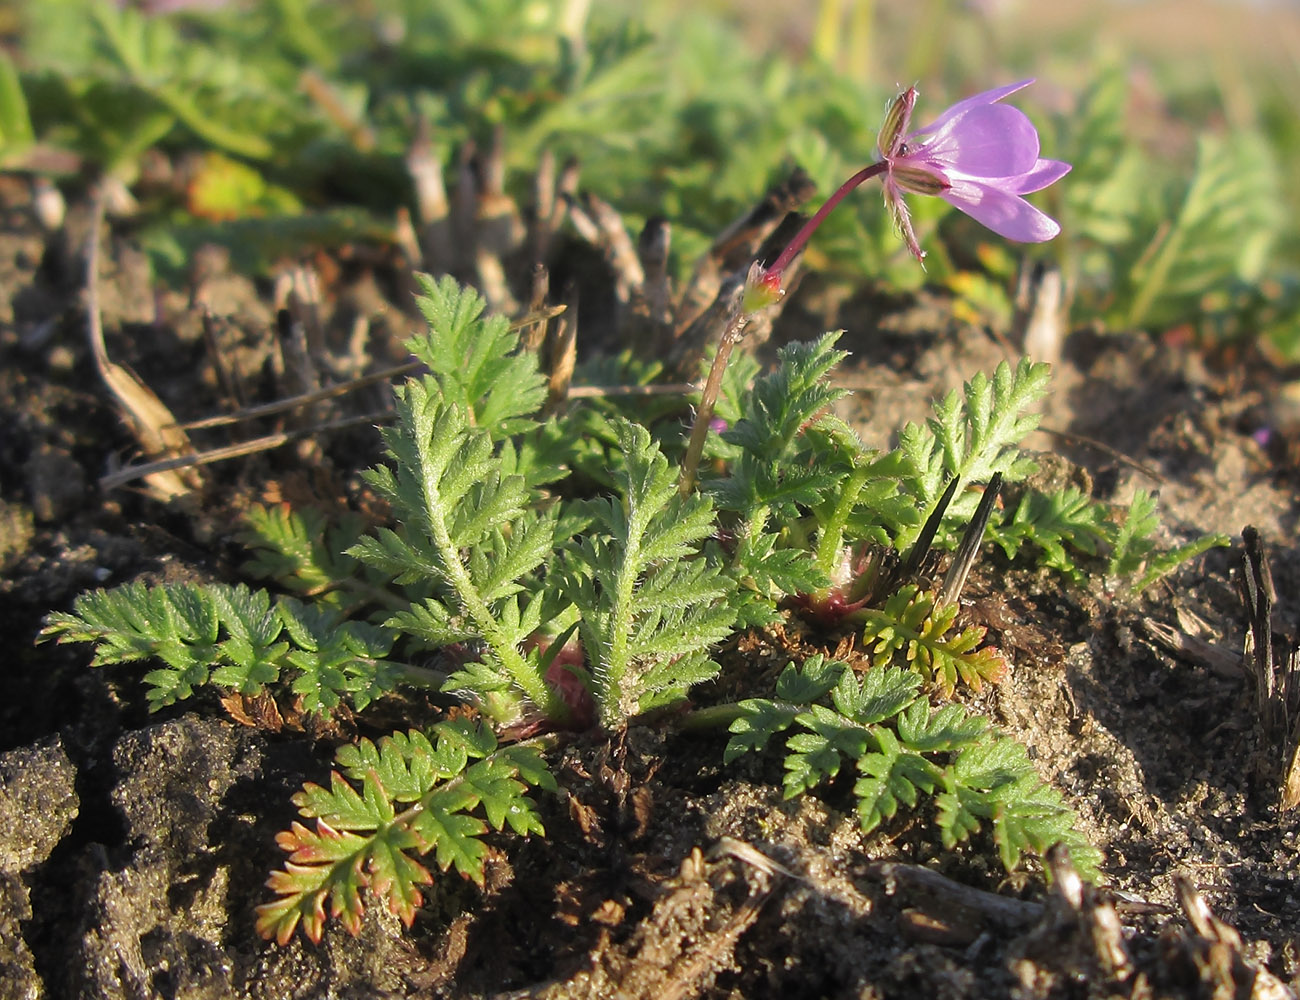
(677, 951)
(1214, 950)
(1273, 663)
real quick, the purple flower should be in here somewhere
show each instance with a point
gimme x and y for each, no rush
(979, 156)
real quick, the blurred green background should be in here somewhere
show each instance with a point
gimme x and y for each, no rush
(292, 119)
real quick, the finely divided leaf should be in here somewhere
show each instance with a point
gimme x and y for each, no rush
(650, 603)
(759, 721)
(904, 749)
(805, 685)
(301, 549)
(476, 359)
(881, 694)
(1054, 521)
(922, 729)
(363, 842)
(817, 752)
(891, 775)
(783, 403)
(912, 628)
(469, 528)
(233, 637)
(1133, 540)
(970, 437)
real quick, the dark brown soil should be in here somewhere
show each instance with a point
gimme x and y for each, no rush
(133, 847)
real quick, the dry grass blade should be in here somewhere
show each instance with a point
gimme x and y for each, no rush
(1092, 443)
(534, 334)
(612, 237)
(305, 399)
(1073, 902)
(1276, 673)
(650, 314)
(148, 417)
(563, 354)
(433, 212)
(964, 558)
(736, 245)
(1215, 658)
(1039, 323)
(750, 855)
(196, 458)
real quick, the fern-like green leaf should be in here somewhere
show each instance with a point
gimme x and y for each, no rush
(912, 628)
(468, 527)
(1134, 546)
(362, 842)
(1133, 541)
(796, 688)
(1057, 523)
(252, 651)
(890, 776)
(300, 548)
(816, 753)
(904, 750)
(993, 780)
(806, 684)
(783, 403)
(409, 764)
(971, 436)
(879, 694)
(476, 359)
(758, 722)
(1160, 564)
(960, 812)
(650, 603)
(1221, 232)
(925, 730)
(336, 658)
(233, 637)
(776, 571)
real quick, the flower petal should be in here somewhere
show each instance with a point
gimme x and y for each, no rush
(961, 107)
(1044, 172)
(1005, 213)
(992, 141)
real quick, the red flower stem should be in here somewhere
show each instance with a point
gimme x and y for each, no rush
(773, 273)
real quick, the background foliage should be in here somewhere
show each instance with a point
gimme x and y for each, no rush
(1178, 214)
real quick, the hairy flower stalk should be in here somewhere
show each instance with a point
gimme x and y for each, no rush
(979, 156)
(732, 334)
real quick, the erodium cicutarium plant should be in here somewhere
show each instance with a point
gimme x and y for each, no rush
(539, 608)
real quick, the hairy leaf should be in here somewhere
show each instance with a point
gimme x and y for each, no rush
(233, 637)
(650, 604)
(475, 359)
(362, 842)
(1057, 523)
(904, 751)
(469, 527)
(971, 436)
(912, 628)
